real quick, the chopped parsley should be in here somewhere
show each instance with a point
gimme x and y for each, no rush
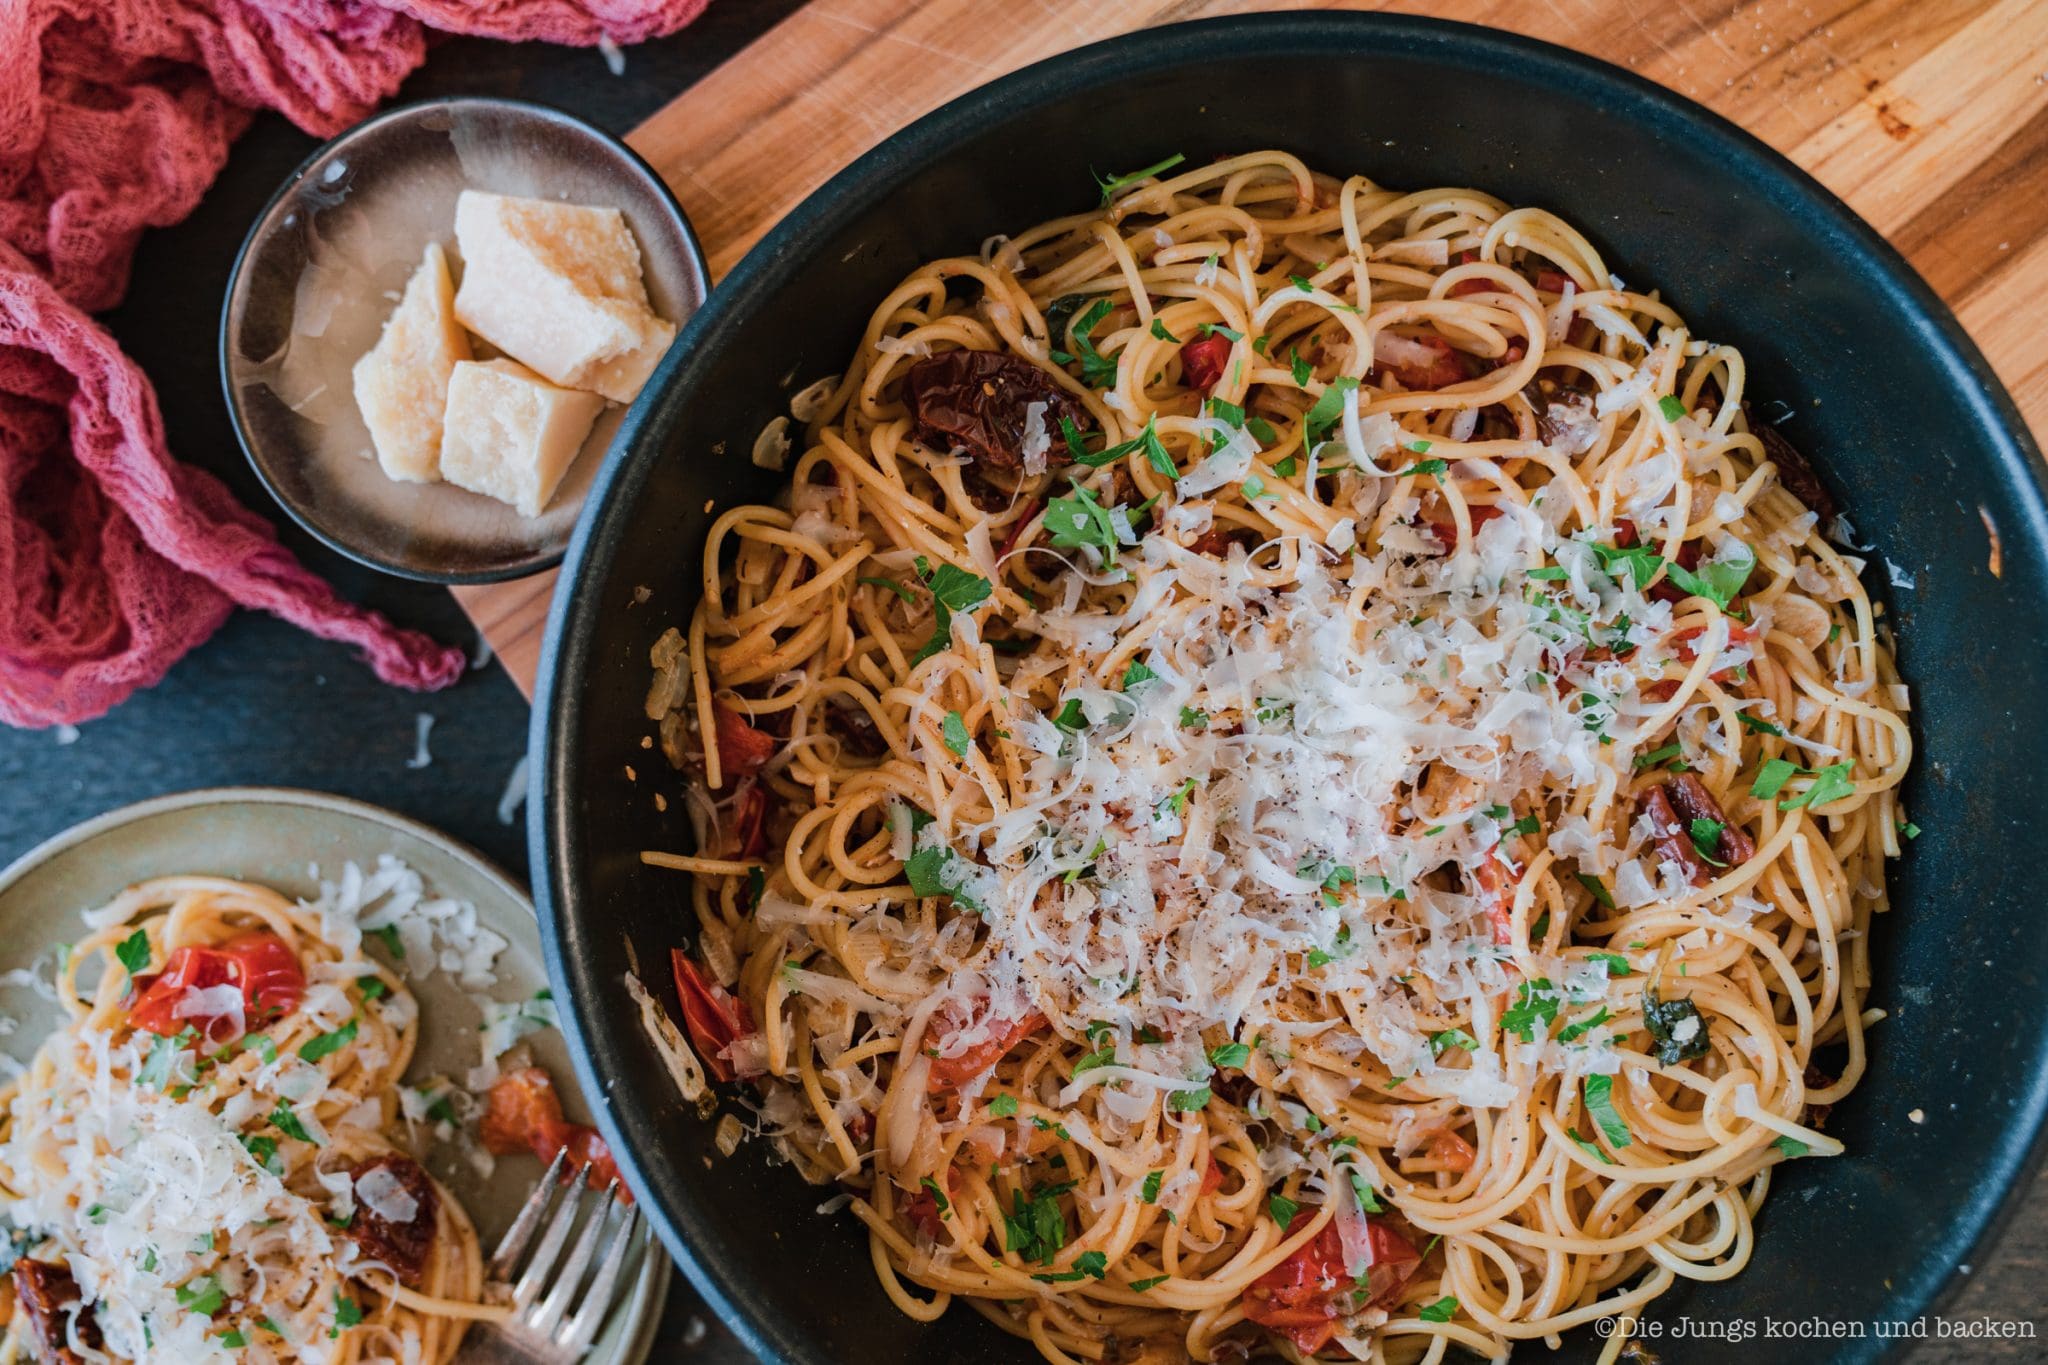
(1116, 184)
(1187, 1101)
(285, 1121)
(388, 935)
(1443, 1310)
(1071, 717)
(372, 987)
(939, 1200)
(1088, 1263)
(1615, 963)
(1772, 777)
(1368, 1198)
(955, 732)
(1149, 1191)
(1153, 1282)
(1435, 468)
(1282, 1209)
(1193, 719)
(1159, 330)
(1217, 329)
(1571, 1033)
(1790, 1146)
(1037, 1228)
(1299, 367)
(893, 586)
(1439, 1043)
(1758, 724)
(1002, 1106)
(264, 1150)
(327, 1043)
(346, 1314)
(1671, 406)
(203, 1296)
(1302, 283)
(1656, 756)
(1831, 783)
(1137, 673)
(1591, 1149)
(1598, 888)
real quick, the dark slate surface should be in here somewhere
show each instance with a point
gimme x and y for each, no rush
(261, 702)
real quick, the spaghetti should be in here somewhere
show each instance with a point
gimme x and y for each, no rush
(1294, 770)
(208, 1160)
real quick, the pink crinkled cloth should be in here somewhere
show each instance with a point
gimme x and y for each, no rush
(115, 115)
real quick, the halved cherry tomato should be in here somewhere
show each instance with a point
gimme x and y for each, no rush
(750, 824)
(1451, 1152)
(743, 748)
(715, 1016)
(1445, 367)
(1445, 532)
(524, 1114)
(1201, 361)
(1494, 884)
(1303, 1297)
(948, 1072)
(262, 964)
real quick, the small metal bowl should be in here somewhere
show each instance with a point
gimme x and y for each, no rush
(320, 271)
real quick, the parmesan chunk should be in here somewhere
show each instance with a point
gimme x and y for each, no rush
(511, 435)
(558, 288)
(402, 382)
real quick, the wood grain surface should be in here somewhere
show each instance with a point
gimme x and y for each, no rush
(1930, 117)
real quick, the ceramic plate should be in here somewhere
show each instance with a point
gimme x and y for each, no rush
(277, 837)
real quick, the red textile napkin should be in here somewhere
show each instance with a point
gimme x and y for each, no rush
(115, 115)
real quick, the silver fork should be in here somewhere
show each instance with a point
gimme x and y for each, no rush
(541, 1329)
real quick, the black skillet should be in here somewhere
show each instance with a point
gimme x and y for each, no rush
(1884, 392)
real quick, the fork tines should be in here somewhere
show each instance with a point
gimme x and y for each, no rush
(604, 1239)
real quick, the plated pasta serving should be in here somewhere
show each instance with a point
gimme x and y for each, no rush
(1296, 770)
(217, 1154)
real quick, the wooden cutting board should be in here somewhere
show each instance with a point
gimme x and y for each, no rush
(1930, 117)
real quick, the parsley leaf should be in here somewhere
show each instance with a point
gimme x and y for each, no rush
(1600, 1104)
(1598, 888)
(1443, 1310)
(1615, 963)
(1834, 782)
(1535, 1007)
(1187, 1101)
(1082, 520)
(1790, 1146)
(1772, 777)
(1283, 1209)
(1137, 673)
(1435, 467)
(1299, 367)
(955, 732)
(133, 952)
(1329, 407)
(1671, 406)
(1002, 1107)
(1571, 1033)
(1098, 371)
(952, 589)
(1036, 1228)
(1159, 330)
(1140, 1286)
(893, 586)
(1230, 1055)
(1757, 724)
(1193, 719)
(1149, 1191)
(939, 871)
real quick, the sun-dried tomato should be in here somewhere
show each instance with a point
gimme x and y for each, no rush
(45, 1292)
(978, 400)
(402, 1246)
